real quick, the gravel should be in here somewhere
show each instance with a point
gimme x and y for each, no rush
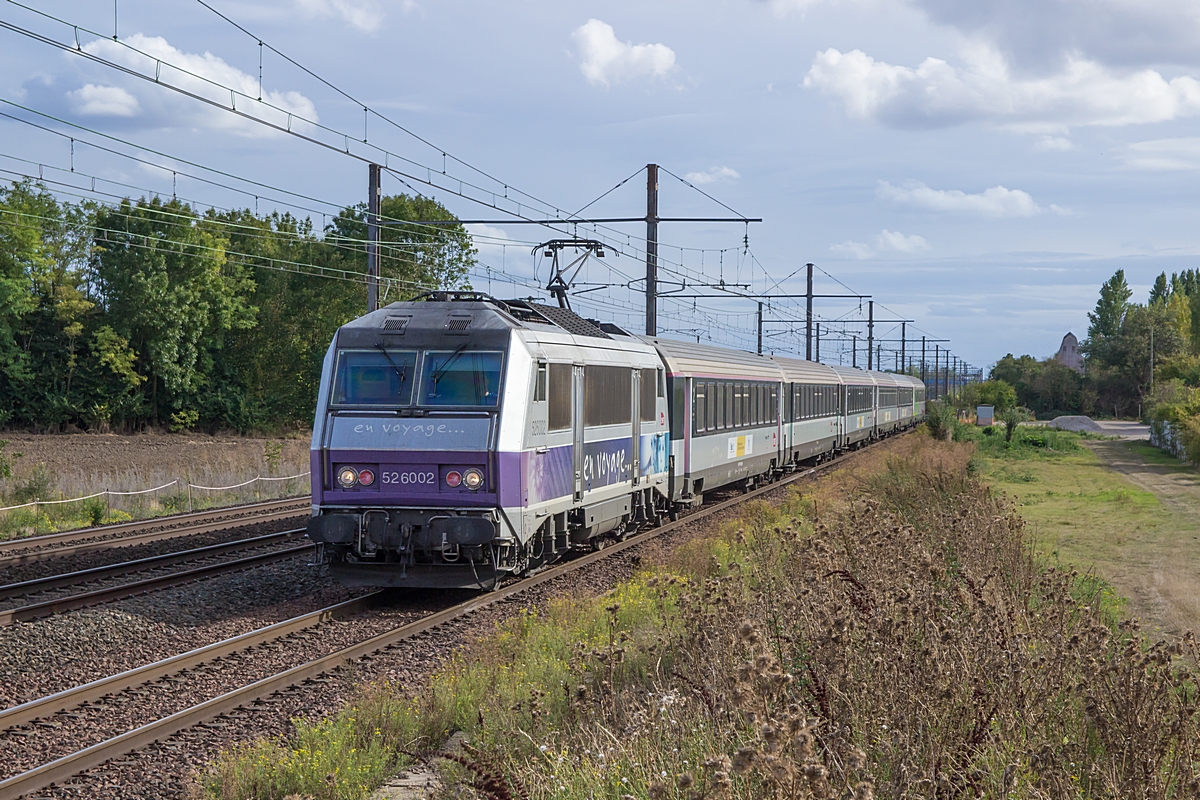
(166, 769)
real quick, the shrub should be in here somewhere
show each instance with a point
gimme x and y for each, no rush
(939, 419)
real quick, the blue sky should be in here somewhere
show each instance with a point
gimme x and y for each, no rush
(979, 167)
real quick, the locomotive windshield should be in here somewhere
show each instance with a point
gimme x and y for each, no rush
(461, 378)
(374, 378)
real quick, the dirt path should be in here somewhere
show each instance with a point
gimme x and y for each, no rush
(1161, 573)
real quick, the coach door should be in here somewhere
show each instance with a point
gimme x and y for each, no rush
(577, 428)
(636, 403)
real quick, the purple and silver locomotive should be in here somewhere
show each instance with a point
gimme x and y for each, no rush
(459, 439)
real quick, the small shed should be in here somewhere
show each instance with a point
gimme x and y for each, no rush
(985, 415)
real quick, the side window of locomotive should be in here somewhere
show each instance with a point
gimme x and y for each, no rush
(539, 384)
(560, 396)
(461, 378)
(662, 382)
(606, 395)
(374, 378)
(648, 389)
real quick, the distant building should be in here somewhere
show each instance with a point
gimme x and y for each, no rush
(1068, 353)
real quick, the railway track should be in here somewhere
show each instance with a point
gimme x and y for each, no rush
(58, 545)
(254, 694)
(156, 564)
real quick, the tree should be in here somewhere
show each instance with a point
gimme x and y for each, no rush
(170, 292)
(1105, 321)
(1161, 291)
(996, 393)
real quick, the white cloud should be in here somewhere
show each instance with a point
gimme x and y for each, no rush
(366, 15)
(784, 7)
(493, 242)
(104, 101)
(1164, 154)
(1057, 144)
(172, 109)
(886, 242)
(937, 94)
(605, 60)
(997, 201)
(714, 175)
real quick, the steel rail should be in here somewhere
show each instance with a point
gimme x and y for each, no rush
(125, 567)
(98, 596)
(176, 519)
(79, 542)
(73, 698)
(63, 768)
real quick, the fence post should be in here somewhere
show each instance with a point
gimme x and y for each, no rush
(36, 515)
(189, 485)
(107, 506)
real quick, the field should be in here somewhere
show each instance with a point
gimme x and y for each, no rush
(52, 467)
(1124, 511)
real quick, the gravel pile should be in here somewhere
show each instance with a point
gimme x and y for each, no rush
(165, 769)
(1076, 424)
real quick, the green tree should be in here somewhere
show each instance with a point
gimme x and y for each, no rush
(170, 292)
(1105, 321)
(1161, 290)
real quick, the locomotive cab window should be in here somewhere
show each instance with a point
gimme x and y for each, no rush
(374, 378)
(461, 378)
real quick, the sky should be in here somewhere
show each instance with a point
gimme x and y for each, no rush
(979, 168)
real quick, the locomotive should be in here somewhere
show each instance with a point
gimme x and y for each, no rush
(460, 439)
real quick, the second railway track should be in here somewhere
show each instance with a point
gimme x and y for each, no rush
(258, 689)
(32, 602)
(31, 549)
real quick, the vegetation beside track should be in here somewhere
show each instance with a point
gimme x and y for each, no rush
(888, 630)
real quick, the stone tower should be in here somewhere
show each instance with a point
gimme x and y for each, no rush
(1068, 353)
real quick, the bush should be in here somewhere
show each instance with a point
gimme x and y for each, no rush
(939, 419)
(989, 430)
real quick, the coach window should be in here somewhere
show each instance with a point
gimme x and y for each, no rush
(710, 419)
(560, 396)
(699, 410)
(539, 385)
(606, 395)
(649, 392)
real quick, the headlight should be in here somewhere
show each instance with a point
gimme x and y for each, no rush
(473, 478)
(453, 479)
(348, 476)
(366, 477)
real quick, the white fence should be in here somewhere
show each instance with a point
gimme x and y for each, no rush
(36, 504)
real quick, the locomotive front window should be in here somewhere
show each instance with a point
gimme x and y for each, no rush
(461, 378)
(374, 378)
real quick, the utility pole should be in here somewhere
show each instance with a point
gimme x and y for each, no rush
(879, 357)
(922, 359)
(903, 335)
(808, 323)
(854, 351)
(760, 328)
(937, 371)
(652, 251)
(818, 359)
(373, 238)
(1152, 358)
(870, 330)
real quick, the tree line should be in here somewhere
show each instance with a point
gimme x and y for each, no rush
(154, 313)
(1137, 356)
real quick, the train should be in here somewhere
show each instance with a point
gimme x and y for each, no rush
(460, 439)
